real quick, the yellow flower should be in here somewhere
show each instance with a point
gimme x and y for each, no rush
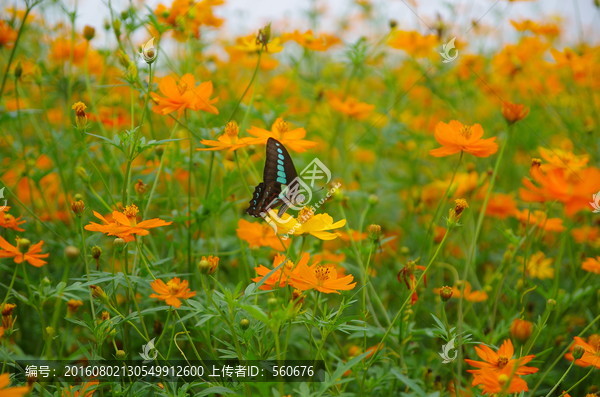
(307, 223)
(538, 266)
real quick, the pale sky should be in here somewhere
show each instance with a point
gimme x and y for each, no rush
(581, 18)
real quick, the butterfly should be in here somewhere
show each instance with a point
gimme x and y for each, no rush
(279, 170)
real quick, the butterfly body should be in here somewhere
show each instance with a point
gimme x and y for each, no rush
(279, 170)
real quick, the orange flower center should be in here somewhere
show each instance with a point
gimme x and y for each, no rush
(322, 273)
(131, 211)
(232, 129)
(502, 361)
(182, 88)
(465, 131)
(173, 288)
(305, 214)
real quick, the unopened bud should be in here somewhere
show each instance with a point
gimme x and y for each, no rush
(120, 354)
(446, 293)
(149, 52)
(89, 32)
(96, 252)
(374, 232)
(78, 206)
(23, 245)
(72, 252)
(208, 265)
(244, 323)
(578, 352)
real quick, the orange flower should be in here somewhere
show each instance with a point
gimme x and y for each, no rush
(280, 277)
(86, 389)
(31, 254)
(471, 296)
(124, 224)
(591, 265)
(414, 43)
(322, 278)
(501, 205)
(16, 391)
(7, 35)
(172, 291)
(513, 112)
(574, 190)
(229, 140)
(351, 107)
(558, 158)
(252, 45)
(280, 130)
(182, 94)
(521, 329)
(308, 40)
(10, 222)
(499, 368)
(259, 235)
(540, 220)
(591, 355)
(456, 137)
(587, 235)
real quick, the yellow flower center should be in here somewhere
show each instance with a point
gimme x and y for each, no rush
(502, 361)
(232, 129)
(322, 273)
(465, 131)
(131, 211)
(281, 126)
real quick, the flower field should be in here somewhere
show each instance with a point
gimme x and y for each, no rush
(349, 208)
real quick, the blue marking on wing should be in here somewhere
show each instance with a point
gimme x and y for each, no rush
(279, 151)
(280, 156)
(282, 180)
(280, 161)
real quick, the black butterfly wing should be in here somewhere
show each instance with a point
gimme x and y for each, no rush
(279, 170)
(279, 167)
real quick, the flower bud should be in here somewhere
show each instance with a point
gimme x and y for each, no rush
(208, 265)
(521, 329)
(120, 354)
(264, 36)
(119, 243)
(272, 303)
(96, 252)
(23, 245)
(159, 150)
(446, 293)
(73, 305)
(99, 293)
(116, 25)
(78, 206)
(140, 187)
(374, 232)
(80, 116)
(83, 174)
(18, 70)
(7, 309)
(89, 32)
(455, 213)
(50, 331)
(72, 252)
(373, 199)
(244, 323)
(578, 352)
